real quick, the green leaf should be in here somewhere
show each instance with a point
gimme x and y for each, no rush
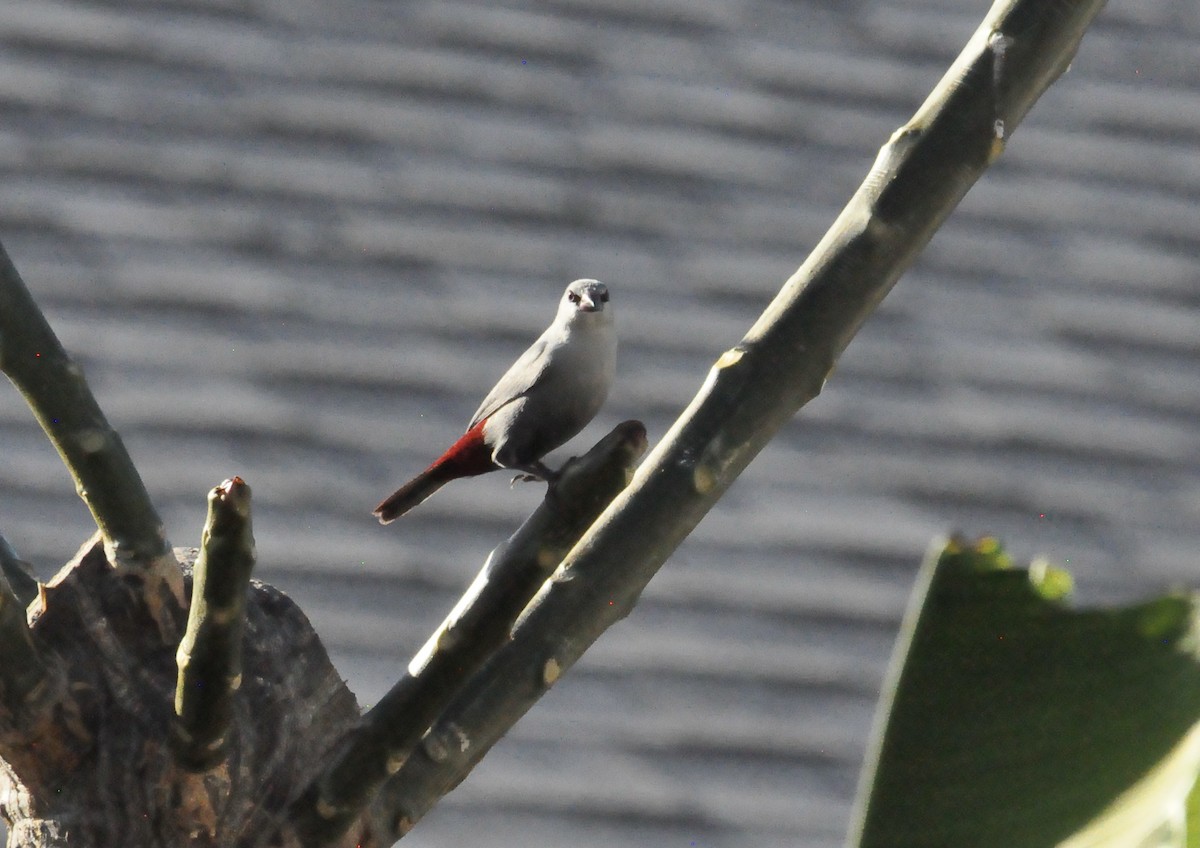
(1014, 721)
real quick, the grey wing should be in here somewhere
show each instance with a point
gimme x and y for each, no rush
(516, 382)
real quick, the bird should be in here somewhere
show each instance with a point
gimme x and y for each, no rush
(548, 395)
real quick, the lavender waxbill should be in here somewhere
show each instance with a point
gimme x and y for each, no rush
(548, 395)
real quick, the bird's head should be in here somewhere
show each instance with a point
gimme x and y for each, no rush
(587, 300)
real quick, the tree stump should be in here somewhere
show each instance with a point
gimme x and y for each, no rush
(88, 762)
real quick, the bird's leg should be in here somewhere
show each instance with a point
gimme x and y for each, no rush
(534, 471)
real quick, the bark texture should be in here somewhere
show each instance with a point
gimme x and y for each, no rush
(94, 765)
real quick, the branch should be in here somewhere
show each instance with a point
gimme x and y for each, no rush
(18, 573)
(53, 386)
(210, 654)
(23, 675)
(918, 178)
(474, 630)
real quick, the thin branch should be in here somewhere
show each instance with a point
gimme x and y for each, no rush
(53, 386)
(18, 573)
(754, 389)
(210, 654)
(474, 630)
(23, 674)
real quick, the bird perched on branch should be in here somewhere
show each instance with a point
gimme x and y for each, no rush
(548, 395)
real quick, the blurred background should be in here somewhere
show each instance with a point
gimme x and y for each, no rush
(298, 240)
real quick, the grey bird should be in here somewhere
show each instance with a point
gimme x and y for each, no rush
(548, 395)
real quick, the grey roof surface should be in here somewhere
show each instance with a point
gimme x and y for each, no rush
(298, 240)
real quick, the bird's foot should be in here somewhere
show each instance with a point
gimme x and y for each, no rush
(535, 473)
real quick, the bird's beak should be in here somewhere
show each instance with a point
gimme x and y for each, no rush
(587, 303)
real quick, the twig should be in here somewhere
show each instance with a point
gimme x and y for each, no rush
(210, 654)
(53, 386)
(18, 573)
(473, 631)
(919, 177)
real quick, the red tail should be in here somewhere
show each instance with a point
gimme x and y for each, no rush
(465, 458)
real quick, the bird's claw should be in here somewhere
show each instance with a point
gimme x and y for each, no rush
(524, 478)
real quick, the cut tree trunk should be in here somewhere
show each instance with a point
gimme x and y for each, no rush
(93, 765)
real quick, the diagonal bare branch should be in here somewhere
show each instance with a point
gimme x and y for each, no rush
(53, 386)
(920, 175)
(474, 630)
(23, 674)
(18, 573)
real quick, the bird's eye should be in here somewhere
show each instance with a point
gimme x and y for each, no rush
(604, 297)
(573, 297)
